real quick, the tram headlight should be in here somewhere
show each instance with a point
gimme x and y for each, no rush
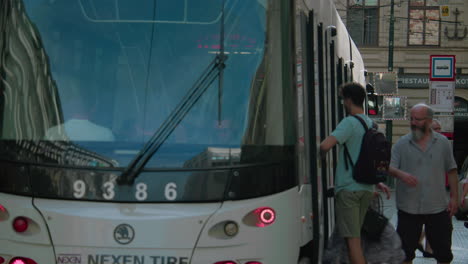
(231, 229)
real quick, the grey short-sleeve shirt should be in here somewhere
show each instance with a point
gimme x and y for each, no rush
(429, 167)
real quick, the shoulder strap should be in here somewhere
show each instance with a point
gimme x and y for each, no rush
(362, 122)
(347, 157)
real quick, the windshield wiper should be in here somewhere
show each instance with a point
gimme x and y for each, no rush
(214, 70)
(221, 72)
(172, 121)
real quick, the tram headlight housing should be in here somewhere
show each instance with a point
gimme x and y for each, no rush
(231, 228)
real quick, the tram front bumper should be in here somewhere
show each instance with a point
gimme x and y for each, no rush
(105, 233)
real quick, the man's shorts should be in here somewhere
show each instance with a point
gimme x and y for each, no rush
(351, 208)
(438, 228)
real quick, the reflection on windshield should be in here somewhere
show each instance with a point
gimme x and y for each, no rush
(215, 157)
(167, 11)
(103, 78)
(78, 127)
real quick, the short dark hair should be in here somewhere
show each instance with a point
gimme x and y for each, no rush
(355, 92)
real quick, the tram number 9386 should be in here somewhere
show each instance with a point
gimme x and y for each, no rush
(141, 190)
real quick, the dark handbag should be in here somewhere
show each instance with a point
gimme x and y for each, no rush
(374, 224)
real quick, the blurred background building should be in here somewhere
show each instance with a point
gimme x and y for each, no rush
(420, 28)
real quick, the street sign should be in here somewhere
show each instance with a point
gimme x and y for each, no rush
(441, 95)
(444, 11)
(442, 68)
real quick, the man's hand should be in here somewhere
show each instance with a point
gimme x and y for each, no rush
(326, 145)
(453, 206)
(405, 177)
(464, 193)
(409, 179)
(384, 188)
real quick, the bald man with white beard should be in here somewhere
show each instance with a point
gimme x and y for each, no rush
(419, 162)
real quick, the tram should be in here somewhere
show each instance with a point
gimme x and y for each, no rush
(169, 132)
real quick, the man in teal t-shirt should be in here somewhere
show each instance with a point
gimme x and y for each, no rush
(352, 198)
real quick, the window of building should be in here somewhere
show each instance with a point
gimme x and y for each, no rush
(363, 22)
(423, 23)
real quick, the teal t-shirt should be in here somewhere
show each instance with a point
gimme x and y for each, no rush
(350, 131)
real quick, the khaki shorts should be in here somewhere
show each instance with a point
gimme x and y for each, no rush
(351, 208)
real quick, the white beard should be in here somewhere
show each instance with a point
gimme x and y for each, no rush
(417, 134)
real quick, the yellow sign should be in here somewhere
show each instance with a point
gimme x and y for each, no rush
(444, 11)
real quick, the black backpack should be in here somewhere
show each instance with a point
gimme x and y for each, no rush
(374, 157)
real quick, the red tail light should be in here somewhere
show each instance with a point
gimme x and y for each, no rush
(265, 215)
(226, 262)
(2, 260)
(20, 224)
(21, 260)
(449, 135)
(3, 215)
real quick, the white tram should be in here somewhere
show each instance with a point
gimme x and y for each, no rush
(168, 131)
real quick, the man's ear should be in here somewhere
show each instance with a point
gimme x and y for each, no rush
(346, 101)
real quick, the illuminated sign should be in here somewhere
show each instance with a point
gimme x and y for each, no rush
(235, 43)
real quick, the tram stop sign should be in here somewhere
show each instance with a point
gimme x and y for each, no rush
(442, 68)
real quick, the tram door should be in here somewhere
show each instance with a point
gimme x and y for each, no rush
(314, 115)
(325, 73)
(327, 104)
(332, 72)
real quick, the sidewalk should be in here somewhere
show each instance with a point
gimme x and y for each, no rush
(459, 236)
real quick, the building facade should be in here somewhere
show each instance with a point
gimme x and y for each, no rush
(420, 28)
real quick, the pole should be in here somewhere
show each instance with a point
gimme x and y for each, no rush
(388, 123)
(390, 36)
(389, 126)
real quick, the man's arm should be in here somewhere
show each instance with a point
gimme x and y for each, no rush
(405, 177)
(453, 183)
(326, 145)
(394, 170)
(464, 190)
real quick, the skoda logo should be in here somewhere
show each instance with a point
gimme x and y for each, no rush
(124, 234)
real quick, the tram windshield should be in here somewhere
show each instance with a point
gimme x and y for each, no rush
(101, 77)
